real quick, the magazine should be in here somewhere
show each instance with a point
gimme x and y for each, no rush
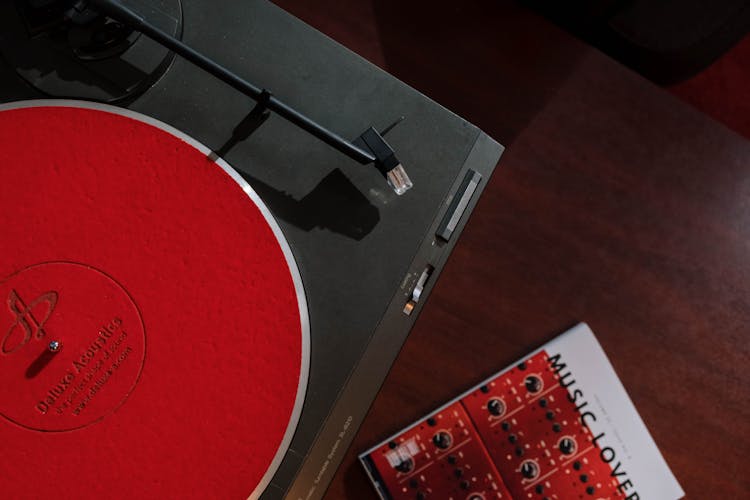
(556, 425)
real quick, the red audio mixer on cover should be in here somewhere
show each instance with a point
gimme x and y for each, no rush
(533, 431)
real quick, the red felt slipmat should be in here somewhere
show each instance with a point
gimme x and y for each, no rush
(154, 338)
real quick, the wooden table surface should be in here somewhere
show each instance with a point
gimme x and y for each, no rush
(614, 204)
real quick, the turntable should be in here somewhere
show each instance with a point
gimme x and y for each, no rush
(203, 282)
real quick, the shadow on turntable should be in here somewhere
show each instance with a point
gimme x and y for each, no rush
(64, 53)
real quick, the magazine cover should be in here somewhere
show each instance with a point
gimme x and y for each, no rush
(557, 425)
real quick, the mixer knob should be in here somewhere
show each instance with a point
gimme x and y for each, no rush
(529, 469)
(405, 465)
(567, 445)
(533, 384)
(442, 440)
(496, 406)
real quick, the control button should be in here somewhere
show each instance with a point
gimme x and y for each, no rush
(458, 472)
(577, 465)
(496, 407)
(431, 422)
(464, 485)
(550, 415)
(452, 459)
(533, 384)
(556, 427)
(458, 205)
(567, 445)
(584, 478)
(409, 307)
(512, 439)
(590, 490)
(416, 293)
(405, 465)
(530, 469)
(505, 425)
(442, 440)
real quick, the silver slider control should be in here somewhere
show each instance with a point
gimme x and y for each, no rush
(416, 292)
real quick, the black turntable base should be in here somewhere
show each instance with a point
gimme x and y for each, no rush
(367, 257)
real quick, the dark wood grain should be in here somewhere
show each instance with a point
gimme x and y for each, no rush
(615, 204)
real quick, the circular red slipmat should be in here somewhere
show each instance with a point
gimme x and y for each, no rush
(154, 337)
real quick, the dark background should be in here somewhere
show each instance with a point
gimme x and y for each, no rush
(616, 203)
